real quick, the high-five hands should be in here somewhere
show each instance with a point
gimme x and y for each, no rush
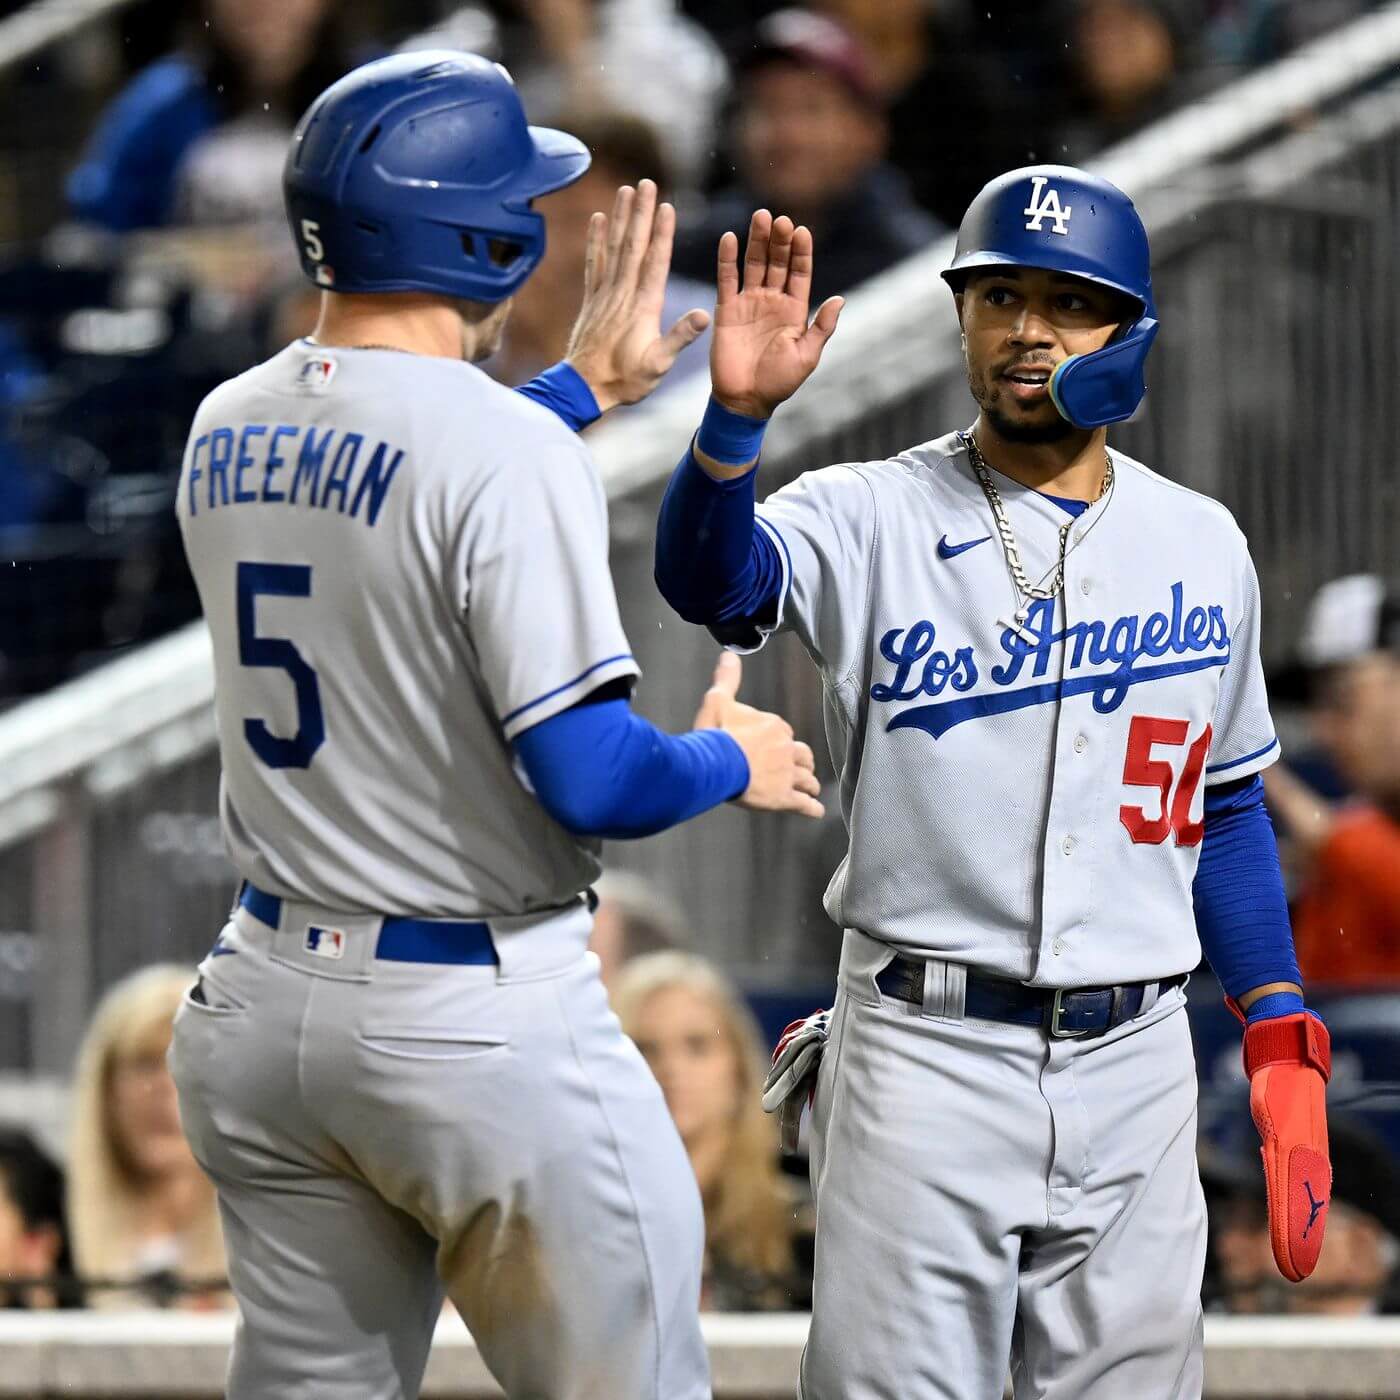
(616, 343)
(763, 348)
(782, 769)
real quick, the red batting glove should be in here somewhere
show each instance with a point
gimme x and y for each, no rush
(1288, 1060)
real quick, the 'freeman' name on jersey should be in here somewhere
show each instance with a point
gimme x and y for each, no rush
(292, 463)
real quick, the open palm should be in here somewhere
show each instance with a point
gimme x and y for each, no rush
(617, 344)
(763, 348)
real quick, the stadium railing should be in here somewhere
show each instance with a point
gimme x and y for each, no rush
(1272, 206)
(753, 1357)
(33, 28)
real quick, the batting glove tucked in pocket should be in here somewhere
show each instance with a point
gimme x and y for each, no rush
(793, 1079)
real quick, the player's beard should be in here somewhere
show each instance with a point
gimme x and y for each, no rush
(1011, 429)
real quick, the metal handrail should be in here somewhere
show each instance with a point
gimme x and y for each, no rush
(31, 30)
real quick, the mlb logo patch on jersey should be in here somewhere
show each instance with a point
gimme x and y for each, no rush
(324, 942)
(325, 276)
(316, 373)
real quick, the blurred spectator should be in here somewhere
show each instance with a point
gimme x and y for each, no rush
(1246, 33)
(200, 137)
(1129, 58)
(961, 105)
(33, 1240)
(703, 1046)
(1346, 923)
(811, 141)
(633, 918)
(637, 56)
(625, 149)
(139, 1208)
(1357, 1271)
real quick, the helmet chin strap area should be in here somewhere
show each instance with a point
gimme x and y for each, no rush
(1105, 385)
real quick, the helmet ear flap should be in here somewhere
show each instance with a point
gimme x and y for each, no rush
(1106, 385)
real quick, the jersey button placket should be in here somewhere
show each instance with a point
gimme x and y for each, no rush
(1063, 884)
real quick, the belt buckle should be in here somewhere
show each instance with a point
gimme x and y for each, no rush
(1057, 1006)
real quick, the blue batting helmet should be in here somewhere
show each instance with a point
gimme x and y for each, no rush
(416, 172)
(1065, 220)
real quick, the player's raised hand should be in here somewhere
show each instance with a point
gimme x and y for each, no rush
(616, 343)
(782, 769)
(763, 348)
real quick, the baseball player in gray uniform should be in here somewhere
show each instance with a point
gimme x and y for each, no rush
(398, 1065)
(1046, 712)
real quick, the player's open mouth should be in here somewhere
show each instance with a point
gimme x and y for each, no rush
(1027, 385)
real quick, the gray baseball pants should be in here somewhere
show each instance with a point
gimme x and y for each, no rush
(984, 1193)
(383, 1132)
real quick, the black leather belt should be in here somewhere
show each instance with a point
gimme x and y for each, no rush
(1063, 1013)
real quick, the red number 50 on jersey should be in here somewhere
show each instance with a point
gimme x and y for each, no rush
(1141, 769)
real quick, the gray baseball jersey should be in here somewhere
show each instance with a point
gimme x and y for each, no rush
(1025, 802)
(393, 594)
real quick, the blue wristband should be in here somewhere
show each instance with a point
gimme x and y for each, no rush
(1275, 1004)
(728, 437)
(565, 393)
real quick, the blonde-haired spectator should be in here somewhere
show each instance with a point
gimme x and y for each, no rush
(139, 1207)
(703, 1046)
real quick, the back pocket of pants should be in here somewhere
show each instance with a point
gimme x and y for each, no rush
(210, 999)
(420, 1043)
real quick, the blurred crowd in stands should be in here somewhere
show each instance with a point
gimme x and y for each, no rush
(144, 257)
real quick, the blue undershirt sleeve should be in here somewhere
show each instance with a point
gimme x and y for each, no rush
(600, 770)
(565, 392)
(1241, 907)
(715, 565)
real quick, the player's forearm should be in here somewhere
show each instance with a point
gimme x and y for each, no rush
(600, 770)
(714, 562)
(1241, 906)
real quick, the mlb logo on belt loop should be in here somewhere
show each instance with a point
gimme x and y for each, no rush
(324, 942)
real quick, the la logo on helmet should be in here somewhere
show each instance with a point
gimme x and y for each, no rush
(1045, 204)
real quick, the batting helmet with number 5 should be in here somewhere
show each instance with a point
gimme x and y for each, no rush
(416, 172)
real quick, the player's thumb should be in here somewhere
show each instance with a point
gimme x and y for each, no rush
(824, 322)
(728, 672)
(685, 332)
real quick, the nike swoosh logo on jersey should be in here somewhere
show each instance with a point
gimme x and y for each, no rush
(951, 551)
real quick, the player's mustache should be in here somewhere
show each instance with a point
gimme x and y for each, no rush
(1040, 362)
